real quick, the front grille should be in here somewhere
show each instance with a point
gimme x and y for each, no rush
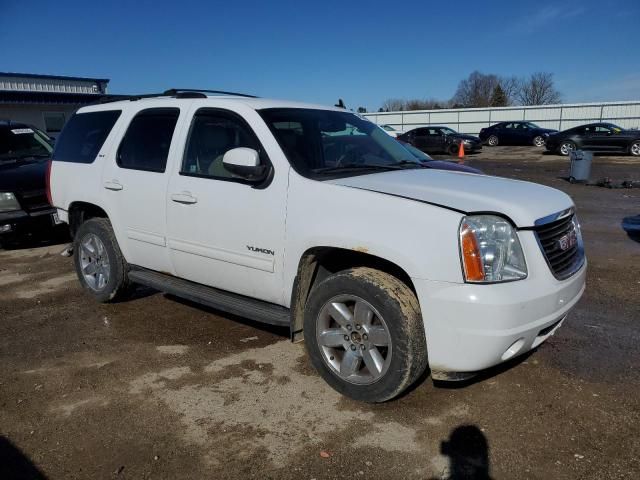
(33, 200)
(561, 243)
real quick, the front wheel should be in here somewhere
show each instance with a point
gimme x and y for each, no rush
(566, 148)
(364, 334)
(493, 141)
(634, 149)
(100, 265)
(538, 141)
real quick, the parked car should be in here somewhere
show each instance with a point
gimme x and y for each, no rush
(597, 137)
(429, 162)
(515, 133)
(24, 208)
(437, 139)
(391, 131)
(382, 266)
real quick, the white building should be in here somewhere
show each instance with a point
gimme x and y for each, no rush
(46, 101)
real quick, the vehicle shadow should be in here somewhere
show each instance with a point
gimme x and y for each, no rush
(57, 236)
(15, 465)
(468, 451)
(265, 327)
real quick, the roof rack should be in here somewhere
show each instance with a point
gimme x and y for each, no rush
(173, 92)
(177, 91)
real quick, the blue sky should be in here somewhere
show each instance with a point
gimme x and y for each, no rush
(363, 52)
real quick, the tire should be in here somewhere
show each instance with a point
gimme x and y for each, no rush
(390, 336)
(453, 149)
(493, 141)
(634, 148)
(538, 141)
(566, 147)
(100, 265)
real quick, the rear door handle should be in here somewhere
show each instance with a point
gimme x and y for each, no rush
(113, 185)
(184, 197)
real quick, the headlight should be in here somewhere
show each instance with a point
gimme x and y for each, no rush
(490, 250)
(467, 142)
(8, 202)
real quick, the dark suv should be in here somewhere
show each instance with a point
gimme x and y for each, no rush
(24, 154)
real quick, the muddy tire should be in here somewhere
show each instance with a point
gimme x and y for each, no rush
(100, 265)
(364, 334)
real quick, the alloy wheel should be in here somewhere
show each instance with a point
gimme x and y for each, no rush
(538, 141)
(94, 262)
(493, 140)
(567, 148)
(635, 149)
(354, 339)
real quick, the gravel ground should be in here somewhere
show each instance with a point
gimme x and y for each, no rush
(159, 388)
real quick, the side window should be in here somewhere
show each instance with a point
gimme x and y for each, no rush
(212, 135)
(146, 144)
(602, 130)
(83, 136)
(509, 125)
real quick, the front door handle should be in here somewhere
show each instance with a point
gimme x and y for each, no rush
(184, 198)
(113, 185)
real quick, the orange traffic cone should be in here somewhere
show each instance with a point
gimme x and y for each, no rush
(461, 152)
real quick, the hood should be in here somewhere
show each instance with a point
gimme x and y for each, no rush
(23, 175)
(522, 202)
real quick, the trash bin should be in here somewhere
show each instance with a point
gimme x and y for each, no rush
(580, 166)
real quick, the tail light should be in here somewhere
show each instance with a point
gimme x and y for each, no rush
(48, 182)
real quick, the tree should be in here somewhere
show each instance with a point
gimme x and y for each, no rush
(498, 97)
(362, 110)
(539, 89)
(393, 105)
(476, 90)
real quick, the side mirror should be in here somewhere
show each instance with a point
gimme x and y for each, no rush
(244, 163)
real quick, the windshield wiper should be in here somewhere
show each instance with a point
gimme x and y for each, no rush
(407, 163)
(357, 166)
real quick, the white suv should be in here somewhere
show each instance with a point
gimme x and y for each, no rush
(315, 219)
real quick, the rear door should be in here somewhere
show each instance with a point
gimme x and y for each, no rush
(135, 181)
(420, 139)
(602, 138)
(435, 140)
(222, 231)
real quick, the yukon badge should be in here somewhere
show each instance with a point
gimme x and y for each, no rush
(261, 250)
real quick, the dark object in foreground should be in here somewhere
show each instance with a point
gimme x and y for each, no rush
(631, 225)
(595, 137)
(24, 208)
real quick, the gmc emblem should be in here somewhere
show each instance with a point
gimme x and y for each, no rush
(567, 241)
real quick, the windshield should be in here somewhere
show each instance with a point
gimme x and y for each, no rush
(419, 154)
(530, 125)
(448, 131)
(23, 142)
(318, 143)
(388, 128)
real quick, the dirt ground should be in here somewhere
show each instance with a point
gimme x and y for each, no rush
(158, 388)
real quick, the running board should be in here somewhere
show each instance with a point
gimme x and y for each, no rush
(240, 305)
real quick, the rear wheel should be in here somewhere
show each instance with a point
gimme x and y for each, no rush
(566, 148)
(364, 334)
(492, 141)
(100, 265)
(634, 149)
(538, 141)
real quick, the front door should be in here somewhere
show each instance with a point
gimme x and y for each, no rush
(222, 231)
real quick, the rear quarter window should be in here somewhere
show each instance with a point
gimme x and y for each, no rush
(83, 136)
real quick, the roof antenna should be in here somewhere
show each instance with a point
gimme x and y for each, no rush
(340, 104)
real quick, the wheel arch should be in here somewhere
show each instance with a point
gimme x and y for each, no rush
(317, 263)
(80, 212)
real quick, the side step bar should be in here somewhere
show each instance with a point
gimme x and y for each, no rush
(240, 305)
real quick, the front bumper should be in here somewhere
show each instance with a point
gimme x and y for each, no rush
(20, 222)
(472, 327)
